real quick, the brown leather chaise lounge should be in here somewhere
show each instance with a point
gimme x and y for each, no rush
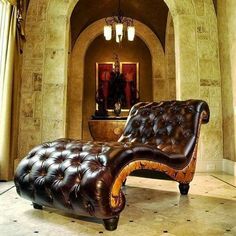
(85, 178)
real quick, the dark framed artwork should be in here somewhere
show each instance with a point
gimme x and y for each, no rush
(103, 77)
(130, 71)
(113, 87)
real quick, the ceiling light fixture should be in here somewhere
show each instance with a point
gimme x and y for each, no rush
(119, 23)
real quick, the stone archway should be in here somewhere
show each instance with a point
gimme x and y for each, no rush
(43, 109)
(170, 57)
(76, 78)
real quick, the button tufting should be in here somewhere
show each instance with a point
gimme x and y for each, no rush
(43, 173)
(78, 180)
(75, 162)
(136, 123)
(59, 160)
(43, 157)
(60, 177)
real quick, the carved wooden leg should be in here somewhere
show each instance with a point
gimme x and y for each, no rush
(37, 206)
(183, 188)
(111, 224)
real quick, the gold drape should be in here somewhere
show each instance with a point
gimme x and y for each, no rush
(6, 93)
(12, 2)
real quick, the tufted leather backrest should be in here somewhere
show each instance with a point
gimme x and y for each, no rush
(172, 126)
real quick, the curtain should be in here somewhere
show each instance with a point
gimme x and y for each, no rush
(12, 2)
(6, 79)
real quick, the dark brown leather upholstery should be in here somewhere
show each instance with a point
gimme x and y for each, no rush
(82, 177)
(170, 126)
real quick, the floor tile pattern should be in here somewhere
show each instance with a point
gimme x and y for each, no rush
(154, 207)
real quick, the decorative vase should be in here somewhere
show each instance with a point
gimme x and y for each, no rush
(117, 108)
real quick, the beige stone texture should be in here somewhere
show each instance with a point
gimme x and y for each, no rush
(186, 7)
(170, 58)
(38, 105)
(53, 101)
(199, 7)
(209, 151)
(32, 76)
(163, 93)
(27, 105)
(52, 129)
(54, 58)
(197, 67)
(227, 42)
(31, 139)
(27, 84)
(58, 36)
(196, 42)
(30, 124)
(63, 8)
(188, 55)
(190, 90)
(206, 69)
(207, 49)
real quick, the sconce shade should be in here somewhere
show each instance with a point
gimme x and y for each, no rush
(131, 33)
(119, 32)
(107, 32)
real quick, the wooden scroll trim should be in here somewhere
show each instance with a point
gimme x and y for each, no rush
(182, 176)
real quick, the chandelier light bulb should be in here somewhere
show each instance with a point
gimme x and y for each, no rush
(107, 32)
(131, 33)
(119, 38)
(119, 30)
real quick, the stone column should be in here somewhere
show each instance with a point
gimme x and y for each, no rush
(227, 42)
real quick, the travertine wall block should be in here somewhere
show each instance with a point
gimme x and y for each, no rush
(170, 57)
(199, 7)
(32, 78)
(58, 36)
(184, 8)
(31, 124)
(52, 129)
(227, 42)
(53, 101)
(37, 81)
(54, 58)
(27, 105)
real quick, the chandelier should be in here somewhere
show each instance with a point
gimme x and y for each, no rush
(119, 23)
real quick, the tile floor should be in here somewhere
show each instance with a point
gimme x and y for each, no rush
(154, 207)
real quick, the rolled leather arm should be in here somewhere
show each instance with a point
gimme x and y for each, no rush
(69, 175)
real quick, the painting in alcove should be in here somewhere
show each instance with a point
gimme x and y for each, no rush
(130, 71)
(116, 83)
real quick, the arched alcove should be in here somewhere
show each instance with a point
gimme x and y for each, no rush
(76, 78)
(103, 51)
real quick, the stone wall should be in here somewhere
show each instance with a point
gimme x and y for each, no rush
(170, 57)
(44, 86)
(210, 84)
(30, 119)
(198, 71)
(227, 42)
